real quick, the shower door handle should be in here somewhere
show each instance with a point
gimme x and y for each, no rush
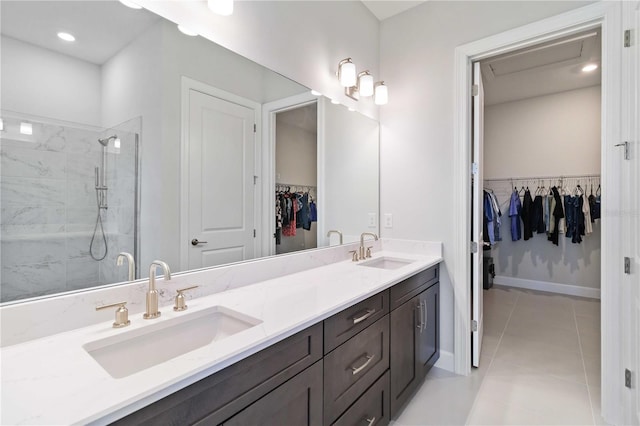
(195, 242)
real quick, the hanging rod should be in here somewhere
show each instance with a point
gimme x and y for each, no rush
(558, 177)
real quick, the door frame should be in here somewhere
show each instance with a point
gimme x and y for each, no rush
(267, 179)
(608, 16)
(186, 85)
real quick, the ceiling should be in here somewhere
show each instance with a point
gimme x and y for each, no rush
(101, 28)
(383, 9)
(305, 117)
(551, 67)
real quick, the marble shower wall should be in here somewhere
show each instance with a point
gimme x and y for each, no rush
(48, 209)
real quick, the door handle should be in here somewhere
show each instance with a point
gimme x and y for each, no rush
(424, 313)
(195, 242)
(368, 313)
(419, 317)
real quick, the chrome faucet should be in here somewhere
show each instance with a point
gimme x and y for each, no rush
(132, 264)
(152, 293)
(361, 250)
(334, 231)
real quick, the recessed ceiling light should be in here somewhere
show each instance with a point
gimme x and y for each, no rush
(131, 4)
(186, 31)
(589, 68)
(66, 36)
(26, 128)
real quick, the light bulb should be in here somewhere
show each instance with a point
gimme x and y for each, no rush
(347, 72)
(381, 96)
(26, 128)
(366, 84)
(221, 7)
(66, 36)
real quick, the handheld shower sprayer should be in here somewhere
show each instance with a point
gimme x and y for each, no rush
(101, 194)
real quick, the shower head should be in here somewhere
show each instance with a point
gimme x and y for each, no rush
(105, 141)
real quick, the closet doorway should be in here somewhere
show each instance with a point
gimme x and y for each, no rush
(537, 155)
(296, 178)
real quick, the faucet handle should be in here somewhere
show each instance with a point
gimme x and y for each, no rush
(122, 314)
(181, 304)
(369, 251)
(354, 255)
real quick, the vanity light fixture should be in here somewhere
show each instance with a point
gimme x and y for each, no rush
(221, 7)
(363, 86)
(66, 36)
(131, 4)
(347, 73)
(589, 67)
(381, 95)
(186, 31)
(26, 128)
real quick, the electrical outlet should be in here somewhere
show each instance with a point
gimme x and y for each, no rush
(372, 220)
(388, 220)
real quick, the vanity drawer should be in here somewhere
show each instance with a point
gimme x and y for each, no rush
(371, 408)
(342, 326)
(413, 286)
(354, 366)
(225, 393)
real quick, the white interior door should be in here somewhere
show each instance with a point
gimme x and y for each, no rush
(631, 207)
(477, 237)
(221, 181)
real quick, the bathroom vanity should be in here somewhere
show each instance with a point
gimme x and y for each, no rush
(326, 345)
(334, 372)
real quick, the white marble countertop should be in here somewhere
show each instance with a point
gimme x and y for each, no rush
(53, 380)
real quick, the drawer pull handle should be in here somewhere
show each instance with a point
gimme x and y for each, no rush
(368, 313)
(356, 370)
(370, 421)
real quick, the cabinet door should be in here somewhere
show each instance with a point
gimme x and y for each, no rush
(404, 334)
(296, 402)
(429, 334)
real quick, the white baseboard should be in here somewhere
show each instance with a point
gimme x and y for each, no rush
(572, 290)
(446, 361)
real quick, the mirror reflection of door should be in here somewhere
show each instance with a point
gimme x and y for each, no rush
(296, 179)
(221, 189)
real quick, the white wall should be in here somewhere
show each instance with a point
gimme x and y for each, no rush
(43, 83)
(302, 40)
(417, 61)
(549, 135)
(351, 161)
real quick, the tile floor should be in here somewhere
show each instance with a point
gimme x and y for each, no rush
(540, 365)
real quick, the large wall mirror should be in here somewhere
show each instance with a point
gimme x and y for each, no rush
(138, 138)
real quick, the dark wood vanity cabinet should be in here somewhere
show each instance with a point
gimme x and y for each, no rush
(358, 366)
(414, 332)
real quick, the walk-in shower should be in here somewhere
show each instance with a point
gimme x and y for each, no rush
(101, 198)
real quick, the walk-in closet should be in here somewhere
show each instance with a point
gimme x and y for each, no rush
(541, 204)
(296, 179)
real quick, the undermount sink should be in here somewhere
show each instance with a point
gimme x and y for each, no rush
(136, 350)
(386, 262)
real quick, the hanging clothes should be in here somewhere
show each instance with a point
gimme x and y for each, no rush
(557, 215)
(578, 215)
(496, 216)
(586, 210)
(526, 213)
(488, 223)
(313, 211)
(538, 215)
(514, 213)
(570, 221)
